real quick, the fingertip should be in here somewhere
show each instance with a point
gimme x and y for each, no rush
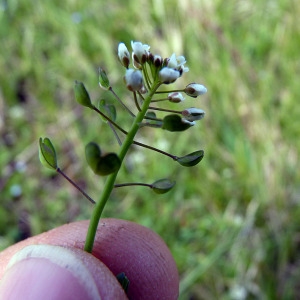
(122, 246)
(53, 272)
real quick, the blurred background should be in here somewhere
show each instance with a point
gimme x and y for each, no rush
(232, 223)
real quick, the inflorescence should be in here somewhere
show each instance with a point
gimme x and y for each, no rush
(145, 74)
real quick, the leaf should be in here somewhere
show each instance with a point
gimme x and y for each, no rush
(162, 186)
(175, 123)
(81, 95)
(47, 154)
(191, 159)
(151, 114)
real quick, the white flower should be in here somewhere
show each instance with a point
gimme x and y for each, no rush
(134, 80)
(195, 89)
(193, 114)
(191, 123)
(135, 63)
(143, 90)
(167, 75)
(140, 51)
(123, 55)
(177, 63)
(175, 97)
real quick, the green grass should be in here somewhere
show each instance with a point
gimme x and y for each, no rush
(232, 223)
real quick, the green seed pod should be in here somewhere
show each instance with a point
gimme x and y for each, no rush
(92, 155)
(81, 95)
(108, 164)
(162, 186)
(47, 154)
(103, 79)
(101, 165)
(175, 123)
(108, 109)
(191, 159)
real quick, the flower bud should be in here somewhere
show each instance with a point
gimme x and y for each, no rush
(134, 80)
(175, 97)
(157, 61)
(143, 90)
(123, 55)
(150, 58)
(165, 62)
(140, 52)
(167, 75)
(195, 89)
(193, 114)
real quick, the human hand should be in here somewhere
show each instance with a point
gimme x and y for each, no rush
(53, 265)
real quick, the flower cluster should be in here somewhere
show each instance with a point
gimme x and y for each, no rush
(145, 74)
(163, 71)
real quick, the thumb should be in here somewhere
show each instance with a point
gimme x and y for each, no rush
(54, 272)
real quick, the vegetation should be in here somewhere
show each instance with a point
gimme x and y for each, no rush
(232, 222)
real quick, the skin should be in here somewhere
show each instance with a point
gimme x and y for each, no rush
(120, 246)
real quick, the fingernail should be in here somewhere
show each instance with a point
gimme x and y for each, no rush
(47, 272)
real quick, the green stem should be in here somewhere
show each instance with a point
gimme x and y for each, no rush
(136, 102)
(108, 119)
(160, 100)
(132, 184)
(174, 157)
(109, 184)
(58, 170)
(120, 101)
(148, 83)
(165, 110)
(171, 91)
